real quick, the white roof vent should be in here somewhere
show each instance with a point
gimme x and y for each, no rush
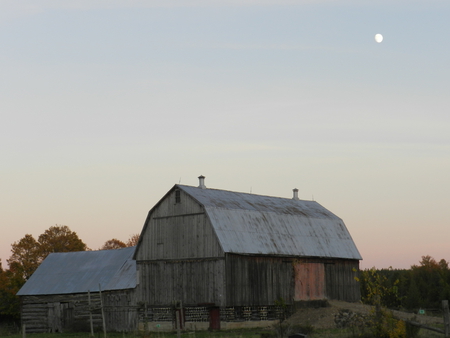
(295, 194)
(201, 182)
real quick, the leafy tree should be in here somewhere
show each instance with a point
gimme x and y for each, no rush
(432, 280)
(381, 292)
(133, 240)
(25, 256)
(377, 289)
(413, 298)
(59, 238)
(10, 283)
(112, 244)
(115, 243)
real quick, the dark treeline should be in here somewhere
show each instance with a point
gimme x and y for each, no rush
(424, 286)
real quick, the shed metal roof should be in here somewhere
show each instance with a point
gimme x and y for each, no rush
(83, 271)
(255, 224)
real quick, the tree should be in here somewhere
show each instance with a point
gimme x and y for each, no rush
(133, 240)
(433, 281)
(115, 243)
(112, 244)
(10, 284)
(25, 256)
(59, 238)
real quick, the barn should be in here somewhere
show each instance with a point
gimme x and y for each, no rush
(206, 258)
(218, 258)
(71, 290)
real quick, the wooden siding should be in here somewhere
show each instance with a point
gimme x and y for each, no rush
(190, 281)
(61, 313)
(120, 310)
(261, 280)
(178, 230)
(168, 206)
(340, 280)
(309, 281)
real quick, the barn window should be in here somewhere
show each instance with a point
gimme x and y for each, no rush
(177, 196)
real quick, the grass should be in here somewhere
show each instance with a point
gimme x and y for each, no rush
(242, 333)
(198, 334)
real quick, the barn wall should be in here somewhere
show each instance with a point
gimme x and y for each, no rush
(253, 281)
(340, 280)
(190, 281)
(120, 310)
(178, 230)
(62, 313)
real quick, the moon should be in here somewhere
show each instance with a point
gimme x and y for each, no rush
(378, 38)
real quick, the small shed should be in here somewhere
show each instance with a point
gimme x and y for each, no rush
(63, 294)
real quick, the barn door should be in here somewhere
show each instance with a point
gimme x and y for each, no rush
(214, 318)
(60, 316)
(309, 281)
(54, 317)
(66, 316)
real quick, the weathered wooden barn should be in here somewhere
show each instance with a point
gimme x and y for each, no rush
(226, 256)
(63, 294)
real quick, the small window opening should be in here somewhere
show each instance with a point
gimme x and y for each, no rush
(177, 196)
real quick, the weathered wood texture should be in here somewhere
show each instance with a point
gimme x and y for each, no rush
(58, 313)
(326, 279)
(190, 281)
(120, 310)
(309, 280)
(177, 230)
(252, 281)
(61, 313)
(340, 280)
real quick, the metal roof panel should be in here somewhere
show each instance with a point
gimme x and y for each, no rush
(255, 224)
(83, 271)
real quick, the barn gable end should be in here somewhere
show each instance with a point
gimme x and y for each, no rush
(177, 227)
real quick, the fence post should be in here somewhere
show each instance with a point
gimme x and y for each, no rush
(446, 318)
(90, 313)
(24, 331)
(103, 311)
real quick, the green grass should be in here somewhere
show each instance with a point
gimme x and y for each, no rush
(197, 334)
(243, 333)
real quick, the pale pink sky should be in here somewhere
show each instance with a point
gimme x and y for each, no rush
(105, 106)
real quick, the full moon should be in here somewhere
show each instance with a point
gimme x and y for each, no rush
(378, 38)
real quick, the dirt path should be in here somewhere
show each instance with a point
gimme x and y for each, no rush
(324, 317)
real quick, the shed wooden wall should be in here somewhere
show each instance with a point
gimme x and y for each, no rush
(190, 281)
(258, 280)
(177, 230)
(58, 313)
(70, 312)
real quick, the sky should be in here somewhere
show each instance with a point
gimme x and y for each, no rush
(105, 105)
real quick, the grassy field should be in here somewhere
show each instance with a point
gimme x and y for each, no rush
(243, 333)
(330, 333)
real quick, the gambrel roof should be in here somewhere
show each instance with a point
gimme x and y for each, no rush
(262, 225)
(83, 271)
